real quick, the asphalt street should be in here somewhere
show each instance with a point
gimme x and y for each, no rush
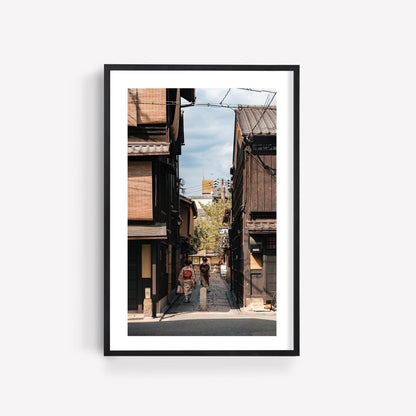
(208, 327)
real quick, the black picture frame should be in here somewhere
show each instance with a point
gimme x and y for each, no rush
(108, 70)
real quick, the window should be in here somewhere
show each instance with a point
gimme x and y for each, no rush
(263, 148)
(263, 215)
(271, 242)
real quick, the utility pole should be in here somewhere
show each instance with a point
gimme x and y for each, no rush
(222, 189)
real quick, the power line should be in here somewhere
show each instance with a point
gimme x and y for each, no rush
(191, 188)
(253, 90)
(270, 99)
(263, 113)
(260, 162)
(231, 106)
(225, 96)
(256, 157)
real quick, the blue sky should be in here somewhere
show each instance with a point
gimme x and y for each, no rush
(209, 134)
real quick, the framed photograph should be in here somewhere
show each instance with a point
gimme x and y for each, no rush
(201, 173)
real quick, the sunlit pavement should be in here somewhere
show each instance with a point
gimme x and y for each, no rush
(217, 300)
(221, 317)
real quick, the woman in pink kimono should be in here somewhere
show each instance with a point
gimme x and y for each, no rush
(187, 279)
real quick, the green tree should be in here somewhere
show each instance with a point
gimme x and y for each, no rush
(207, 236)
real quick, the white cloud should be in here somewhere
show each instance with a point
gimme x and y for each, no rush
(209, 134)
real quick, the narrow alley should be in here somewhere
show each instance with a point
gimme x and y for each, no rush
(222, 317)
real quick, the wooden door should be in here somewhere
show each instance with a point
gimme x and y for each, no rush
(270, 274)
(135, 295)
(164, 271)
(256, 283)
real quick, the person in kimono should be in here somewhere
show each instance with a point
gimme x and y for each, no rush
(187, 279)
(204, 269)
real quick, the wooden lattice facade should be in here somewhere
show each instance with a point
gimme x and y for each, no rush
(253, 227)
(155, 137)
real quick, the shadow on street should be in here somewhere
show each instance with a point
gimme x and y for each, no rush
(205, 327)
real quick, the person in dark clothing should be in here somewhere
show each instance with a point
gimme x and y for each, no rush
(204, 269)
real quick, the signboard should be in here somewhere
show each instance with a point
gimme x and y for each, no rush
(207, 186)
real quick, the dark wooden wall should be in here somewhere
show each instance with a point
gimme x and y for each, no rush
(261, 187)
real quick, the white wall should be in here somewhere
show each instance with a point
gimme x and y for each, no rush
(358, 206)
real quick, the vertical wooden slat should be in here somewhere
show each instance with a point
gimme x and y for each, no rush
(146, 261)
(267, 185)
(151, 105)
(250, 172)
(273, 193)
(272, 186)
(132, 106)
(260, 187)
(176, 117)
(254, 187)
(140, 205)
(146, 106)
(262, 184)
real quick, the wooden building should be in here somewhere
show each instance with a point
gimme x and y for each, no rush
(214, 259)
(188, 213)
(155, 137)
(253, 224)
(226, 220)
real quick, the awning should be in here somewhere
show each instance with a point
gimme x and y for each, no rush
(141, 232)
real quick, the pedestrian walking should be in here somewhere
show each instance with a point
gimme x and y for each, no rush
(187, 279)
(204, 269)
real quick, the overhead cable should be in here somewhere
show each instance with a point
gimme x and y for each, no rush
(225, 96)
(253, 90)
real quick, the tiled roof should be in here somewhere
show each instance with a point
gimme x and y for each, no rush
(261, 225)
(155, 231)
(258, 120)
(148, 149)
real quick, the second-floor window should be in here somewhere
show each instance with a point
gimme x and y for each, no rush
(264, 148)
